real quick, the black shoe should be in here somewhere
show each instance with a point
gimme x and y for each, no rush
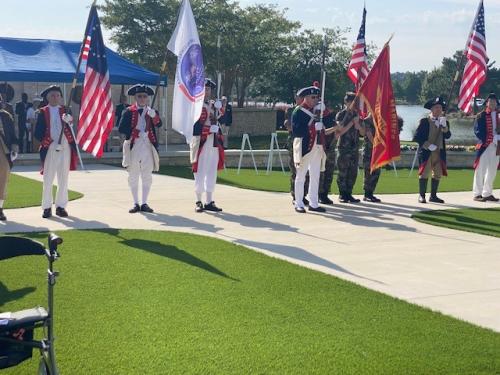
(344, 199)
(61, 212)
(325, 200)
(300, 210)
(305, 201)
(47, 213)
(490, 198)
(351, 199)
(435, 199)
(146, 208)
(317, 209)
(212, 207)
(371, 198)
(198, 207)
(2, 216)
(135, 209)
(479, 198)
(421, 199)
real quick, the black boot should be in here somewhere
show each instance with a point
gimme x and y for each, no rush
(434, 188)
(2, 216)
(323, 199)
(422, 183)
(47, 213)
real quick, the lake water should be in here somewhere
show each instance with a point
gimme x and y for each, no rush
(461, 130)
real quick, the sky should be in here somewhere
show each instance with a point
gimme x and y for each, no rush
(425, 31)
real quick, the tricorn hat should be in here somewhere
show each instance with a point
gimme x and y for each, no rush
(492, 95)
(210, 83)
(310, 90)
(140, 88)
(349, 96)
(435, 101)
(44, 93)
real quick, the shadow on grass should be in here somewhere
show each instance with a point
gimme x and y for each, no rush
(7, 295)
(174, 253)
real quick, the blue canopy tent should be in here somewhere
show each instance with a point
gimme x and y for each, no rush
(46, 60)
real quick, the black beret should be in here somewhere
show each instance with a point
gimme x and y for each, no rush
(49, 89)
(140, 88)
(435, 101)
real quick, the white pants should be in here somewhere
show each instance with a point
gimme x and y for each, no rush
(141, 166)
(486, 171)
(312, 163)
(208, 159)
(56, 163)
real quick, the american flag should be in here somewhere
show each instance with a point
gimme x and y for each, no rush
(96, 111)
(358, 67)
(477, 62)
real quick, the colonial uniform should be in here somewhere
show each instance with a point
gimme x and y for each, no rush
(431, 137)
(371, 178)
(8, 149)
(487, 131)
(348, 147)
(308, 152)
(326, 177)
(57, 159)
(140, 155)
(206, 154)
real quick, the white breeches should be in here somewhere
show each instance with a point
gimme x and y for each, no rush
(141, 166)
(485, 173)
(205, 178)
(312, 163)
(56, 163)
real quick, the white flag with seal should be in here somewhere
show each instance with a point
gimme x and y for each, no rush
(189, 90)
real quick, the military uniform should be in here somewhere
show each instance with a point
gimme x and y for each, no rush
(57, 159)
(8, 149)
(371, 178)
(326, 177)
(431, 137)
(348, 160)
(206, 154)
(140, 155)
(487, 131)
(291, 164)
(308, 152)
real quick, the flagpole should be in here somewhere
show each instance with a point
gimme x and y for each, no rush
(73, 86)
(459, 64)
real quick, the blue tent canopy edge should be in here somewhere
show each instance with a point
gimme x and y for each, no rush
(48, 60)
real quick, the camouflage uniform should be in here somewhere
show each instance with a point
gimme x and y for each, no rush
(348, 159)
(371, 179)
(326, 177)
(291, 164)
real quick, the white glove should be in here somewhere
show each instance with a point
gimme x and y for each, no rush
(319, 126)
(214, 128)
(67, 118)
(432, 147)
(218, 104)
(13, 155)
(442, 121)
(151, 113)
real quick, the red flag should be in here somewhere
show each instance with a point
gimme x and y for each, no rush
(378, 95)
(96, 112)
(477, 62)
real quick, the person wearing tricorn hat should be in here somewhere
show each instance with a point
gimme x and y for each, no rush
(431, 135)
(140, 155)
(9, 147)
(348, 146)
(57, 150)
(308, 149)
(487, 131)
(207, 151)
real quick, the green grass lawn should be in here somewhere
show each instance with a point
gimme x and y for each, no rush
(146, 302)
(483, 221)
(458, 180)
(25, 192)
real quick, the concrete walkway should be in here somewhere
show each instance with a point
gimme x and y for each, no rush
(374, 245)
